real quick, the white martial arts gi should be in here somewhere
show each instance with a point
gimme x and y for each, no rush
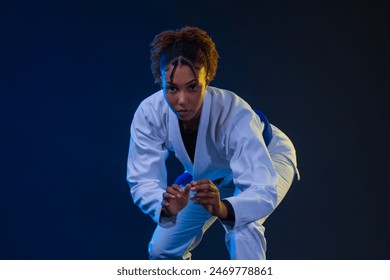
(230, 146)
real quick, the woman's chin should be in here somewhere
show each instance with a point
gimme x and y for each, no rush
(184, 116)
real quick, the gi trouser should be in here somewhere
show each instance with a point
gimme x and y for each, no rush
(243, 243)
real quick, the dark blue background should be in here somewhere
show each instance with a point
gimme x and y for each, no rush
(73, 72)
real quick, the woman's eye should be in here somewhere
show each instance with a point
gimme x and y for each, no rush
(171, 88)
(193, 87)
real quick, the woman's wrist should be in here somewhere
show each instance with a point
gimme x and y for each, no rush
(227, 211)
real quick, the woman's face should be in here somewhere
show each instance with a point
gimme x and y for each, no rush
(185, 92)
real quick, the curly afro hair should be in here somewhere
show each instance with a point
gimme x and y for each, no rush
(189, 45)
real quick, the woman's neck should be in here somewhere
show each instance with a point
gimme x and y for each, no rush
(191, 125)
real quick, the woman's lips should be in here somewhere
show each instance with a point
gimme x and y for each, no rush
(183, 112)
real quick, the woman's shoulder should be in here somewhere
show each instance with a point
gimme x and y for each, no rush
(154, 100)
(153, 109)
(227, 103)
(223, 94)
(154, 104)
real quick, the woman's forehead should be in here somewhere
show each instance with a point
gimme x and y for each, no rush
(183, 71)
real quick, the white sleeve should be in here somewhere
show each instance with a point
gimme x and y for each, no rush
(254, 175)
(146, 170)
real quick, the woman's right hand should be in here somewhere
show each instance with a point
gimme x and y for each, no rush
(176, 198)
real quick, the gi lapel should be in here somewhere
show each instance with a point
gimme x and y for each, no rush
(202, 158)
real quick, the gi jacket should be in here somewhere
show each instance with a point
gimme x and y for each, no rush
(229, 145)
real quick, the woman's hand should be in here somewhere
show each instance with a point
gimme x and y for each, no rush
(207, 194)
(175, 198)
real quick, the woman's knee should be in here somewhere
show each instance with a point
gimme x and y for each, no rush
(157, 251)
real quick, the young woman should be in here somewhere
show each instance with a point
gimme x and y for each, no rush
(241, 166)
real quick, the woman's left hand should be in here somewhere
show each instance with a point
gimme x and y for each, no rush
(207, 194)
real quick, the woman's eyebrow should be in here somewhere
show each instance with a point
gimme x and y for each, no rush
(193, 80)
(173, 84)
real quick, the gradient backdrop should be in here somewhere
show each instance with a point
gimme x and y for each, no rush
(73, 72)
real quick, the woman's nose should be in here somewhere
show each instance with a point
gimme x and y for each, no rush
(182, 98)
